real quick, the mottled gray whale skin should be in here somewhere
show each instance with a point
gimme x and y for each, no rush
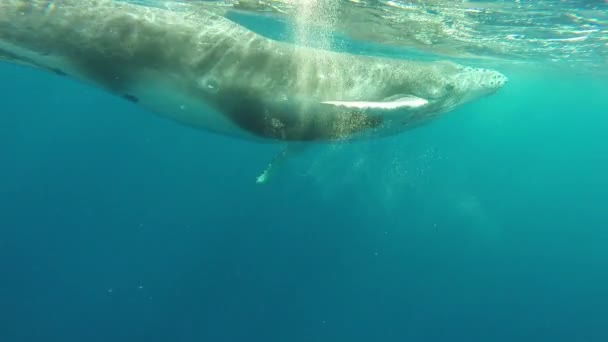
(206, 71)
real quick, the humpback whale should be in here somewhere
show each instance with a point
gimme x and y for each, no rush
(203, 70)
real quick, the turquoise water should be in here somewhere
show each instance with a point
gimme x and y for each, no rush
(489, 224)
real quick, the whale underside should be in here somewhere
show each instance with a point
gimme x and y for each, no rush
(206, 71)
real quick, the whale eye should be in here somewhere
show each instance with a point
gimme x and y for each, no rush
(449, 87)
(209, 85)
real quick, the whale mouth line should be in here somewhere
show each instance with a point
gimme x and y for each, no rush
(404, 102)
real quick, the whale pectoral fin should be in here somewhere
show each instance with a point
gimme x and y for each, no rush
(287, 152)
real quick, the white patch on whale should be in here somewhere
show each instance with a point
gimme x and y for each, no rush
(406, 102)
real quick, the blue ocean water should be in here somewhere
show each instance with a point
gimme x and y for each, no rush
(489, 224)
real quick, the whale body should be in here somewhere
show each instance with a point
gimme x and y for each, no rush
(206, 71)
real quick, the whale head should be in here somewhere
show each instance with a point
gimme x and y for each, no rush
(468, 84)
(440, 86)
(404, 94)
